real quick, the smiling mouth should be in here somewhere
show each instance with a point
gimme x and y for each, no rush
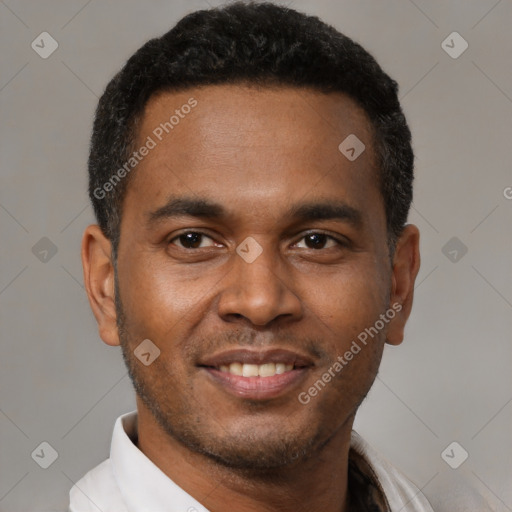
(257, 363)
(257, 374)
(256, 370)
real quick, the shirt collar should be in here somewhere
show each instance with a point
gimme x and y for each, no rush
(145, 488)
(375, 485)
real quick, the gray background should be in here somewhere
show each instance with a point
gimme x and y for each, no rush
(449, 381)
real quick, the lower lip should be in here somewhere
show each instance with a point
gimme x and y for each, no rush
(258, 388)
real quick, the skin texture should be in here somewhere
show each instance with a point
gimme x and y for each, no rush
(256, 152)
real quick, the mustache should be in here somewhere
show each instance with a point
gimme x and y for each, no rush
(244, 338)
(195, 348)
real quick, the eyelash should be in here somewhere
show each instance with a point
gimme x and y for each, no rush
(340, 242)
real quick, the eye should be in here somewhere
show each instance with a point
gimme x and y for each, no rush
(319, 240)
(198, 240)
(192, 240)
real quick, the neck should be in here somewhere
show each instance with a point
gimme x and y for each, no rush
(318, 483)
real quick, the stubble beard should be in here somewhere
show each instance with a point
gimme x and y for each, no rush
(253, 455)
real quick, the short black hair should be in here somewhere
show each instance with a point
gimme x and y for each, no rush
(250, 43)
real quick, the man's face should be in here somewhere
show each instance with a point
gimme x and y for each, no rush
(262, 158)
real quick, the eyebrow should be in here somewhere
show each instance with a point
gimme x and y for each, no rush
(207, 209)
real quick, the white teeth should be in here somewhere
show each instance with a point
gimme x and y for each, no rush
(280, 368)
(267, 370)
(236, 369)
(250, 370)
(255, 370)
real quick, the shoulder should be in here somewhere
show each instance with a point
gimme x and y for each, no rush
(448, 490)
(457, 491)
(97, 489)
(399, 492)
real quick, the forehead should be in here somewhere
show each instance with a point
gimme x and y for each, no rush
(255, 117)
(240, 144)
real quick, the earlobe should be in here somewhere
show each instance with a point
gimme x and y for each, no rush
(406, 264)
(99, 282)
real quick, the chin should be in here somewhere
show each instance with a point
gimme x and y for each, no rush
(244, 444)
(252, 453)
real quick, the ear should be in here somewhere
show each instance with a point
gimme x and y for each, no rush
(406, 264)
(99, 282)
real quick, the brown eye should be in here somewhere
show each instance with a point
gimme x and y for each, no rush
(319, 241)
(191, 240)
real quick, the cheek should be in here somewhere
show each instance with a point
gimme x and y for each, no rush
(349, 312)
(349, 300)
(160, 299)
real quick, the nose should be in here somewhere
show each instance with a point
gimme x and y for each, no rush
(260, 291)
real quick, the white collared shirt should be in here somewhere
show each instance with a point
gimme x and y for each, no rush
(130, 482)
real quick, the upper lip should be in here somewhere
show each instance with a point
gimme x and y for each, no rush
(245, 356)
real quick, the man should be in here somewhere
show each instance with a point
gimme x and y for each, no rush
(251, 173)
